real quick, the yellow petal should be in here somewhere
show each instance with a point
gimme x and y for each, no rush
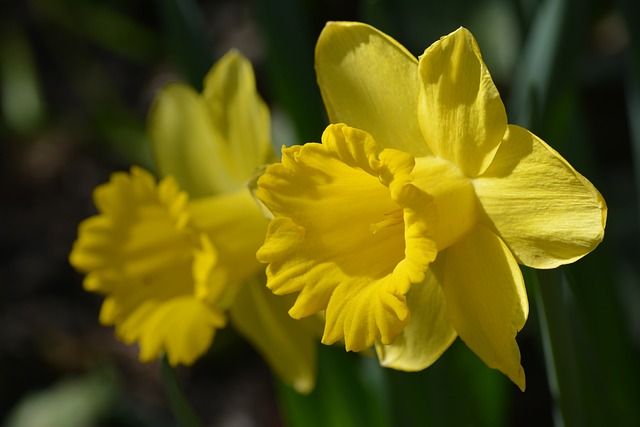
(213, 142)
(186, 145)
(486, 299)
(162, 315)
(369, 81)
(429, 332)
(239, 115)
(289, 346)
(453, 195)
(129, 307)
(342, 238)
(460, 111)
(101, 283)
(183, 328)
(207, 286)
(236, 228)
(546, 212)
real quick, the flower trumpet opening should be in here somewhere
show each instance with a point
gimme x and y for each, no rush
(390, 219)
(159, 275)
(350, 234)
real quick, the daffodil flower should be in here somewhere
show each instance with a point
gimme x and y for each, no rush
(407, 223)
(176, 258)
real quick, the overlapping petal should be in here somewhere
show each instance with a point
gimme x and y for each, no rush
(369, 81)
(185, 144)
(546, 212)
(460, 111)
(486, 299)
(337, 250)
(184, 326)
(289, 346)
(236, 228)
(161, 316)
(239, 114)
(211, 143)
(428, 334)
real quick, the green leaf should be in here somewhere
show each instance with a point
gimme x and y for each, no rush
(180, 406)
(590, 359)
(290, 47)
(351, 391)
(22, 101)
(186, 38)
(77, 402)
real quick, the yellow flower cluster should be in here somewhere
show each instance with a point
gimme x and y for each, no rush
(404, 226)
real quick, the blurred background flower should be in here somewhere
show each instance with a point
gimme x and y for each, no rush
(76, 81)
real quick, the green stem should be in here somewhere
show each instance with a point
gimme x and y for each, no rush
(180, 406)
(551, 294)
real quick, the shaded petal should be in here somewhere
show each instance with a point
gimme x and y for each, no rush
(182, 327)
(161, 316)
(212, 143)
(486, 299)
(289, 346)
(239, 115)
(361, 309)
(342, 238)
(236, 227)
(460, 111)
(186, 145)
(546, 212)
(429, 332)
(369, 81)
(453, 195)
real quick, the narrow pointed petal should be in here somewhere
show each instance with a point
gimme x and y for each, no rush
(460, 111)
(546, 212)
(369, 81)
(289, 346)
(429, 332)
(486, 299)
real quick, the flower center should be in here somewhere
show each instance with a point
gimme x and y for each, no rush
(390, 219)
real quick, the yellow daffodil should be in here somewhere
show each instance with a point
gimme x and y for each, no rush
(174, 258)
(407, 223)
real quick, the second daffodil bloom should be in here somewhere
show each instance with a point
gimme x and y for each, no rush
(174, 258)
(407, 223)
